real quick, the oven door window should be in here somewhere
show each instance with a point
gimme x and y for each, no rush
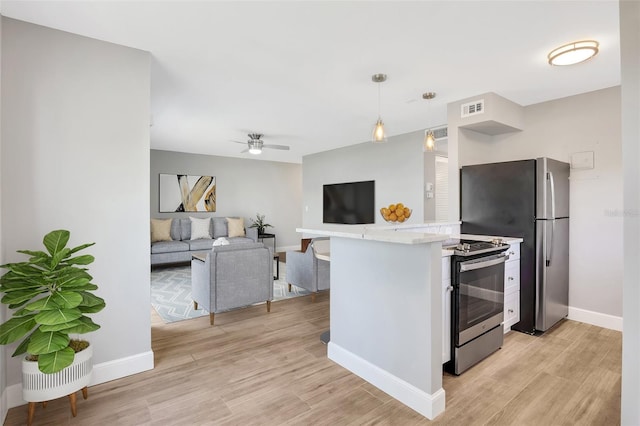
(480, 297)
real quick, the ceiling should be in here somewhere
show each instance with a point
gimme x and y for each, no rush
(300, 71)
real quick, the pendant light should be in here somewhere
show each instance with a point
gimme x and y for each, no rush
(379, 135)
(429, 142)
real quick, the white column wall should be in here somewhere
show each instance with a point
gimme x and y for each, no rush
(3, 316)
(630, 51)
(75, 155)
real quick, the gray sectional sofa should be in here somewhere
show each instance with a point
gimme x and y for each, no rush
(182, 246)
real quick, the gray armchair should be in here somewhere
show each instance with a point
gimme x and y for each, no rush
(305, 270)
(232, 276)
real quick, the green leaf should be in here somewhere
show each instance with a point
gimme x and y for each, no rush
(86, 326)
(24, 269)
(89, 299)
(81, 247)
(61, 327)
(20, 285)
(59, 256)
(67, 299)
(22, 347)
(58, 316)
(19, 297)
(45, 343)
(56, 361)
(44, 304)
(16, 328)
(80, 260)
(56, 240)
(92, 309)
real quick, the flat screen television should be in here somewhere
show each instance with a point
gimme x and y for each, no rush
(351, 203)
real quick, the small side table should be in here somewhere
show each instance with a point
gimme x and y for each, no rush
(262, 237)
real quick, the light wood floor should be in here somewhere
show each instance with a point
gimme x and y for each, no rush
(255, 368)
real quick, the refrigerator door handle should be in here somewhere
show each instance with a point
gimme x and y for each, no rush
(552, 187)
(553, 195)
(550, 244)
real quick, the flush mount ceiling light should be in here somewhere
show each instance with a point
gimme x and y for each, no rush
(429, 143)
(573, 53)
(379, 135)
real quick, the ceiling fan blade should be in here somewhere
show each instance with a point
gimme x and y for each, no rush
(243, 143)
(282, 147)
(244, 150)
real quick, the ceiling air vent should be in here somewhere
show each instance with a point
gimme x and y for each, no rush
(440, 133)
(472, 108)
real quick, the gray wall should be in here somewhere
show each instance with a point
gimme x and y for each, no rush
(244, 187)
(556, 129)
(75, 155)
(396, 166)
(630, 50)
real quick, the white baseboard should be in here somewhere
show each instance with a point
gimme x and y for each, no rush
(102, 373)
(595, 318)
(3, 406)
(429, 405)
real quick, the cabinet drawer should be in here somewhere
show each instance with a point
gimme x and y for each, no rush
(446, 268)
(514, 251)
(511, 276)
(511, 309)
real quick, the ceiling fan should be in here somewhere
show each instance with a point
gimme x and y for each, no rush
(255, 144)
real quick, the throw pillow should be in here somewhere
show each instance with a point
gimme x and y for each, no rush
(236, 226)
(160, 230)
(199, 228)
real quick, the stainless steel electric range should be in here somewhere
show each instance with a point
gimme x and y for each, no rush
(477, 271)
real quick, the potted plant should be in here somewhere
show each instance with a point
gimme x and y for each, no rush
(51, 294)
(259, 223)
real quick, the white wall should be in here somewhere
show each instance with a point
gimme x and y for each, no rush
(630, 51)
(396, 166)
(3, 316)
(244, 187)
(556, 129)
(75, 155)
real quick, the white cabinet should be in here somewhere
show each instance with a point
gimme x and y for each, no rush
(512, 287)
(446, 309)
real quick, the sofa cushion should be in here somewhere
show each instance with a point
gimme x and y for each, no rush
(176, 232)
(220, 227)
(160, 230)
(169, 246)
(200, 228)
(185, 229)
(235, 227)
(201, 244)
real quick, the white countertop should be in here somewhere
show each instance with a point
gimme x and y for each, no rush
(374, 233)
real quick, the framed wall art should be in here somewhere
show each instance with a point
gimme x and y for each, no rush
(184, 193)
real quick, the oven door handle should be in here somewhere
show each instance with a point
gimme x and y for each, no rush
(471, 266)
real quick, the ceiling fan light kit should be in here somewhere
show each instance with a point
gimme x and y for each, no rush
(573, 53)
(379, 135)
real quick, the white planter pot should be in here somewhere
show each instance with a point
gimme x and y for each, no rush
(38, 386)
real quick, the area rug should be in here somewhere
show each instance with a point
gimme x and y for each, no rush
(171, 292)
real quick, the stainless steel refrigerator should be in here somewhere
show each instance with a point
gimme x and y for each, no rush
(527, 199)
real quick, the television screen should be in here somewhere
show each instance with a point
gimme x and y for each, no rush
(349, 203)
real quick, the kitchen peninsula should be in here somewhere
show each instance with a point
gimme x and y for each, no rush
(386, 310)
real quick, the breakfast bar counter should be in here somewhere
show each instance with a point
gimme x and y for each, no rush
(386, 310)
